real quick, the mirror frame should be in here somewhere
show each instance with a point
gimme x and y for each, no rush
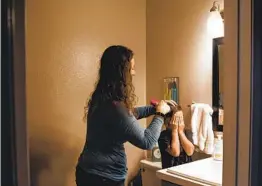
(215, 83)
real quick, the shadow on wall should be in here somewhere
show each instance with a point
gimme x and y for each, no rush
(133, 162)
(38, 163)
(52, 162)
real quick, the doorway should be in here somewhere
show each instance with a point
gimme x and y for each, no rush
(14, 131)
(15, 170)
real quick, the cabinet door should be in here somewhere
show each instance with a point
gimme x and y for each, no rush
(149, 177)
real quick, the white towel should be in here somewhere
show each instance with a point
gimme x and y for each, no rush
(202, 128)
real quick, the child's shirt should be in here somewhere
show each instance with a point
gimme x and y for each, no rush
(168, 160)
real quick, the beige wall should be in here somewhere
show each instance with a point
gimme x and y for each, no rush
(178, 45)
(63, 42)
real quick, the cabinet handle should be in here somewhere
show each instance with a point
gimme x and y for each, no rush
(143, 170)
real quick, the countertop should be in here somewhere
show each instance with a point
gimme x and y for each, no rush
(150, 164)
(205, 172)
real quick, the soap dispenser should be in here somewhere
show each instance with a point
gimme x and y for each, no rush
(218, 148)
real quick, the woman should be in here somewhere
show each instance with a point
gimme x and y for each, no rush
(112, 121)
(174, 146)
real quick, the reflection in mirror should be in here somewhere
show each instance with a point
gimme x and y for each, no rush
(217, 96)
(221, 66)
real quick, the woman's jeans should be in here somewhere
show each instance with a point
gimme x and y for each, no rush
(86, 179)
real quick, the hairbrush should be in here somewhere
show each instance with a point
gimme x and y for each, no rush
(154, 102)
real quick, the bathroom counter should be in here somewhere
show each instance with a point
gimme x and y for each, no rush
(151, 165)
(206, 172)
(149, 169)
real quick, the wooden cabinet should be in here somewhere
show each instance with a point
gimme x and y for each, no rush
(149, 170)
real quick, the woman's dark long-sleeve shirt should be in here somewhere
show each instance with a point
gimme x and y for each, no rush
(109, 127)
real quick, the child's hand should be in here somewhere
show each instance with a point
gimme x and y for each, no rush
(181, 124)
(176, 120)
(181, 127)
(173, 123)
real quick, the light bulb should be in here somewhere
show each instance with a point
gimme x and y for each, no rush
(215, 25)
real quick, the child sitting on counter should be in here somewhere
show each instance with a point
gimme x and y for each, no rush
(173, 144)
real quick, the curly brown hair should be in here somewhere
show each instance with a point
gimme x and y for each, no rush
(114, 81)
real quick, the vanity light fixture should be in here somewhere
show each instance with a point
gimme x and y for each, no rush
(215, 22)
(216, 7)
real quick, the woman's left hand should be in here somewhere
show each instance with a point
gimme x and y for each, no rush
(171, 103)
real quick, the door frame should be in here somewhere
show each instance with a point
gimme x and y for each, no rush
(14, 128)
(256, 98)
(241, 164)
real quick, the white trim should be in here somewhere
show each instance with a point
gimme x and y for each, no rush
(237, 74)
(230, 93)
(245, 59)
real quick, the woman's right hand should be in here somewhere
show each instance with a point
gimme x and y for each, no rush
(163, 107)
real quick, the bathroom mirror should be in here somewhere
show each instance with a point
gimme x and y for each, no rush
(217, 89)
